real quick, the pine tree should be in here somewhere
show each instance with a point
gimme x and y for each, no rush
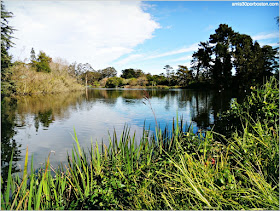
(6, 36)
(7, 86)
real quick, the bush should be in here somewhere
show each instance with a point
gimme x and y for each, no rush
(113, 82)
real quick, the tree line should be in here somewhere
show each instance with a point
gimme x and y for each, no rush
(227, 60)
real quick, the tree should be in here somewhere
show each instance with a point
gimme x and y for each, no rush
(72, 69)
(201, 61)
(132, 73)
(222, 49)
(226, 50)
(32, 55)
(185, 76)
(7, 86)
(113, 82)
(43, 62)
(168, 68)
(6, 37)
(142, 81)
(128, 73)
(108, 72)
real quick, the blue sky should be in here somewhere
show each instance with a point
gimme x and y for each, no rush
(132, 34)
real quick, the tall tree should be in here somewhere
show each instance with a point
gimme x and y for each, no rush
(128, 73)
(108, 72)
(6, 37)
(185, 76)
(32, 55)
(201, 61)
(228, 50)
(168, 69)
(7, 86)
(222, 49)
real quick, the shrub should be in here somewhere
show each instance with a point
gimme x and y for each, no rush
(113, 82)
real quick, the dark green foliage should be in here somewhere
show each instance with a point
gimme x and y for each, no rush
(42, 64)
(6, 37)
(108, 72)
(229, 50)
(131, 73)
(113, 82)
(184, 76)
(157, 79)
(7, 86)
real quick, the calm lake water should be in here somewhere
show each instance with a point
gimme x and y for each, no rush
(46, 123)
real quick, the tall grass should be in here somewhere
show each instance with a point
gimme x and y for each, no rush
(177, 170)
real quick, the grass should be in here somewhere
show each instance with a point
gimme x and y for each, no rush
(166, 170)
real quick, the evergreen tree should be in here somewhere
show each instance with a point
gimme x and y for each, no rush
(7, 86)
(6, 37)
(43, 63)
(230, 50)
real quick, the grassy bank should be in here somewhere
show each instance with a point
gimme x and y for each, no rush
(27, 81)
(168, 170)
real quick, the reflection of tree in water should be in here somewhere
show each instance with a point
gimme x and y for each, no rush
(200, 108)
(221, 102)
(45, 118)
(47, 108)
(184, 97)
(8, 144)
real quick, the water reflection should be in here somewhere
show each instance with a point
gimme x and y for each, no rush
(45, 123)
(9, 145)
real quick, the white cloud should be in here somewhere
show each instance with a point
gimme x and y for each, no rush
(183, 58)
(129, 59)
(266, 36)
(89, 31)
(144, 57)
(209, 27)
(271, 44)
(191, 48)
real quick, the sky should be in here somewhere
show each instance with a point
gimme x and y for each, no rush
(144, 35)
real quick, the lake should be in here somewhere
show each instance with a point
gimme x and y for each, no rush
(46, 123)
